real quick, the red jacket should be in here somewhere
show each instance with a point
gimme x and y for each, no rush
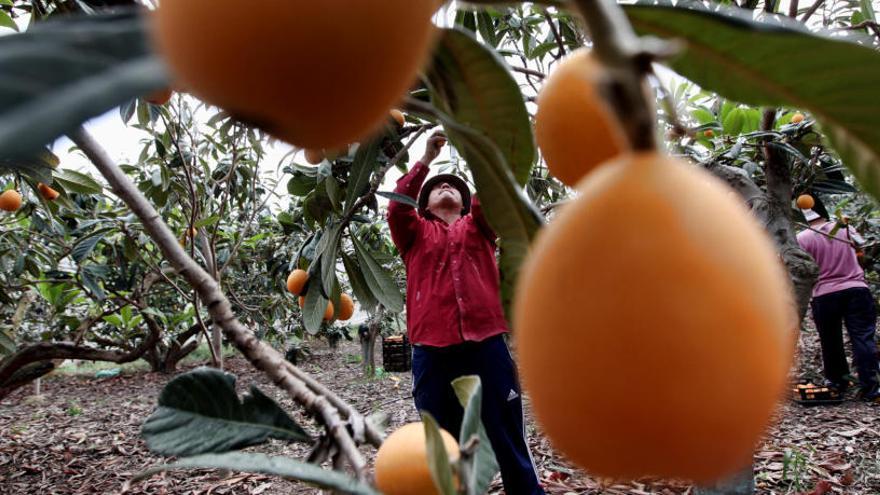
(452, 281)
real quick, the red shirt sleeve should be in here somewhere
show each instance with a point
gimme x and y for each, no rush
(480, 220)
(403, 218)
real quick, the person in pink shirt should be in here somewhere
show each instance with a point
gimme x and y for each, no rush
(841, 296)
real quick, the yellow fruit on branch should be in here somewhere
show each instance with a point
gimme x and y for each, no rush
(805, 202)
(313, 156)
(47, 192)
(398, 117)
(346, 307)
(160, 97)
(402, 461)
(797, 118)
(688, 324)
(10, 200)
(574, 127)
(262, 63)
(297, 280)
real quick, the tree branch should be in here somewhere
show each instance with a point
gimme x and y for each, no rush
(260, 355)
(627, 59)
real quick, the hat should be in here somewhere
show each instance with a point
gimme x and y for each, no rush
(810, 215)
(454, 181)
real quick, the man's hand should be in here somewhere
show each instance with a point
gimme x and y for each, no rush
(432, 149)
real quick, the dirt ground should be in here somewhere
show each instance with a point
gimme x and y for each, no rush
(81, 437)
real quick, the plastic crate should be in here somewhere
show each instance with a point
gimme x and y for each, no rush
(396, 353)
(810, 394)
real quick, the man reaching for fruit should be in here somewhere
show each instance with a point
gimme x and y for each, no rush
(454, 315)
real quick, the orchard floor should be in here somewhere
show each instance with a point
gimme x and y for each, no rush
(81, 437)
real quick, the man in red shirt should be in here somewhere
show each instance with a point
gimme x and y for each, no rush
(454, 315)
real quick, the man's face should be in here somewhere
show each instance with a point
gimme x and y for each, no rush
(444, 196)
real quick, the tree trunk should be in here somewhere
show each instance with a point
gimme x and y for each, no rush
(216, 341)
(368, 342)
(773, 210)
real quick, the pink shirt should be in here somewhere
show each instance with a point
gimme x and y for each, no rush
(838, 266)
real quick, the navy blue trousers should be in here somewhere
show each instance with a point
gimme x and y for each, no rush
(855, 308)
(434, 368)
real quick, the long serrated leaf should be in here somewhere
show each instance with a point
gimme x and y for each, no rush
(37, 166)
(315, 306)
(78, 182)
(199, 412)
(6, 21)
(90, 282)
(478, 91)
(728, 52)
(378, 280)
(483, 466)
(84, 247)
(328, 258)
(400, 198)
(284, 467)
(361, 170)
(438, 458)
(59, 74)
(359, 286)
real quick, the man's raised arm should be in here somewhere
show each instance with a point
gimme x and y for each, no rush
(403, 218)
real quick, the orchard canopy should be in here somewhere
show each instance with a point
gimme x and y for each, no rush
(190, 182)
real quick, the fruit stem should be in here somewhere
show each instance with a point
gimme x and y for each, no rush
(628, 59)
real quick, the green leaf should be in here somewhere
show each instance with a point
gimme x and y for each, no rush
(734, 121)
(361, 169)
(868, 10)
(199, 412)
(703, 115)
(6, 21)
(359, 286)
(476, 88)
(207, 221)
(753, 62)
(328, 251)
(301, 184)
(315, 305)
(115, 320)
(78, 182)
(283, 467)
(37, 166)
(483, 466)
(61, 73)
(7, 344)
(438, 457)
(378, 280)
(400, 198)
(334, 193)
(84, 246)
(90, 281)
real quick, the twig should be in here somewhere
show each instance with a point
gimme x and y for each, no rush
(379, 177)
(555, 32)
(526, 70)
(812, 10)
(260, 355)
(628, 60)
